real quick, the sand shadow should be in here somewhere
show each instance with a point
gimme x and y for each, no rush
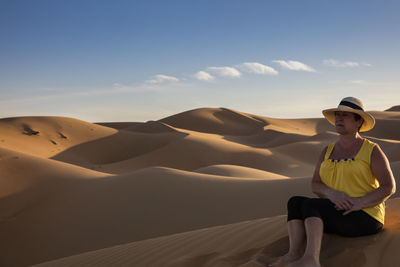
(123, 145)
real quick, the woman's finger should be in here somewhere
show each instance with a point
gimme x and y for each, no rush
(348, 199)
(341, 206)
(347, 211)
(345, 205)
(348, 204)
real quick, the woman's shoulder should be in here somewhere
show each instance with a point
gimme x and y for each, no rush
(329, 147)
(372, 149)
(326, 151)
(370, 143)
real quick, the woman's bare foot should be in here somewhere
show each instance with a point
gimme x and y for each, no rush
(285, 259)
(306, 262)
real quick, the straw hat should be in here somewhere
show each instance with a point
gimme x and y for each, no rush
(354, 105)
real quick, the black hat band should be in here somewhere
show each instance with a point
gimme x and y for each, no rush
(351, 105)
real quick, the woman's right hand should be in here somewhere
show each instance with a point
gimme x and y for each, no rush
(341, 200)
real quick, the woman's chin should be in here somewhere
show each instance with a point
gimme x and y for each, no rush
(341, 130)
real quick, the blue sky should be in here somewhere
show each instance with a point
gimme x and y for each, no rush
(145, 60)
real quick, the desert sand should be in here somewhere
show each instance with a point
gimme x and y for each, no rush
(205, 187)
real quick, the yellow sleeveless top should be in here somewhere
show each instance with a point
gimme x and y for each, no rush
(353, 176)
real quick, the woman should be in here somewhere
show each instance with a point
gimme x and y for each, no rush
(352, 178)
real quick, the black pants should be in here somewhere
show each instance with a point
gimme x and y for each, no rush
(356, 223)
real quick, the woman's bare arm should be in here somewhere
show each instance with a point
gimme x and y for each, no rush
(387, 185)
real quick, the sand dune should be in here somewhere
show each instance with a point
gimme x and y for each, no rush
(230, 122)
(197, 150)
(216, 120)
(394, 108)
(20, 171)
(116, 148)
(48, 136)
(144, 204)
(194, 189)
(250, 243)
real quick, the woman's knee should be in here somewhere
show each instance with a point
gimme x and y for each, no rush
(294, 207)
(313, 207)
(318, 203)
(295, 202)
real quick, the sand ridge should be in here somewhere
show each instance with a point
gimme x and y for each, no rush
(239, 171)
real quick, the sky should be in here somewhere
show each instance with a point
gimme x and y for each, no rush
(145, 60)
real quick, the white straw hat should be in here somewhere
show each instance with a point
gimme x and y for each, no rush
(354, 105)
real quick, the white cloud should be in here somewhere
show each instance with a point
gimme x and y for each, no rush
(294, 65)
(257, 68)
(204, 76)
(162, 78)
(344, 64)
(225, 71)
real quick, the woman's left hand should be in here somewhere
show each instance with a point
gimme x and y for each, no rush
(357, 205)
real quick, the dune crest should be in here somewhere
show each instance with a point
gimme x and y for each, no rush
(239, 171)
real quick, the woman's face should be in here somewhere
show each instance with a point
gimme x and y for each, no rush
(346, 123)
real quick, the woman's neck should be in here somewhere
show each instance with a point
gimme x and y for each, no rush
(350, 139)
